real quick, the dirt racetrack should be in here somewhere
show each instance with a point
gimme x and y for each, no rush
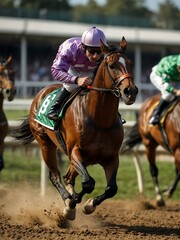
(26, 215)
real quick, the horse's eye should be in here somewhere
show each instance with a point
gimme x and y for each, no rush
(112, 66)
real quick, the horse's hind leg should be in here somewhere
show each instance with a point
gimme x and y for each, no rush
(49, 155)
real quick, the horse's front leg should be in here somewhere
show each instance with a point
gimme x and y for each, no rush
(79, 167)
(110, 169)
(1, 163)
(69, 180)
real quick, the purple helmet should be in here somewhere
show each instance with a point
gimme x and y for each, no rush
(92, 37)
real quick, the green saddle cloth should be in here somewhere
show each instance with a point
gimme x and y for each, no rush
(44, 109)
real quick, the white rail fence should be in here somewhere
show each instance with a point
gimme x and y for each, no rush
(23, 104)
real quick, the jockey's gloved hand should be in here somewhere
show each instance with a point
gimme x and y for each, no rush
(84, 81)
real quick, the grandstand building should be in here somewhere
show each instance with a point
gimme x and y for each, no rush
(33, 43)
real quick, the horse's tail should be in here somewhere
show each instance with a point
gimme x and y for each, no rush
(131, 139)
(23, 132)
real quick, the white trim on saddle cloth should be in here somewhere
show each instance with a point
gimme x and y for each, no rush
(44, 109)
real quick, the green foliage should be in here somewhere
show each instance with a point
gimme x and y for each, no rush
(113, 12)
(168, 15)
(36, 5)
(45, 4)
(119, 8)
(6, 4)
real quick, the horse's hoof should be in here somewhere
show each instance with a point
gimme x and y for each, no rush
(167, 193)
(69, 213)
(160, 201)
(88, 207)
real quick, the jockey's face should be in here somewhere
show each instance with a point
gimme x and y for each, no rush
(93, 54)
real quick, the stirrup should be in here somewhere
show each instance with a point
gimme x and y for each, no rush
(153, 121)
(123, 120)
(52, 116)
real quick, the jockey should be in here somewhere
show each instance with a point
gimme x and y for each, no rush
(165, 76)
(75, 64)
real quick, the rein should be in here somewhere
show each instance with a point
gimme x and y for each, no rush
(114, 90)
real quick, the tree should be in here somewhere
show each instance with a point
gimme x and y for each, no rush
(46, 4)
(126, 7)
(55, 5)
(90, 11)
(167, 15)
(6, 4)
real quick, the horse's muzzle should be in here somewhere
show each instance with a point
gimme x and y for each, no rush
(9, 93)
(129, 95)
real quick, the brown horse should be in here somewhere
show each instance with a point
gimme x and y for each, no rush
(7, 91)
(91, 129)
(166, 134)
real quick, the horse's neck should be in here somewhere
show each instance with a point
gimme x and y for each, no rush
(102, 106)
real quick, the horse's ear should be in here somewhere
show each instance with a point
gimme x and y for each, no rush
(104, 48)
(123, 44)
(9, 60)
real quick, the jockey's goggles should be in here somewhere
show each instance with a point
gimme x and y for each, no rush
(94, 50)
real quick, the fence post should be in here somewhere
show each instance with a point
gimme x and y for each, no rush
(43, 176)
(138, 172)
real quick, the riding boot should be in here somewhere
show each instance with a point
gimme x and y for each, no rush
(55, 108)
(155, 118)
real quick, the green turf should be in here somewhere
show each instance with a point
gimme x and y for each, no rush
(22, 165)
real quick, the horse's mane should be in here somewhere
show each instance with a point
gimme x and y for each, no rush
(113, 48)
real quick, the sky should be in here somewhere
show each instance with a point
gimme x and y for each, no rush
(152, 4)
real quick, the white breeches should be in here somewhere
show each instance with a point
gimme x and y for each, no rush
(159, 84)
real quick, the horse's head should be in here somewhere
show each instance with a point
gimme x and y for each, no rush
(119, 76)
(7, 87)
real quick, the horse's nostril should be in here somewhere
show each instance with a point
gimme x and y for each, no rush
(7, 91)
(126, 91)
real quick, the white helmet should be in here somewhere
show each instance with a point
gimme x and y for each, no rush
(92, 37)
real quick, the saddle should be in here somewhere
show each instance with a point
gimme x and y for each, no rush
(78, 91)
(169, 107)
(46, 104)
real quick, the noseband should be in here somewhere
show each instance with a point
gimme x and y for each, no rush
(5, 80)
(115, 83)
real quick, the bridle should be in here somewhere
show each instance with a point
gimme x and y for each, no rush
(115, 83)
(4, 74)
